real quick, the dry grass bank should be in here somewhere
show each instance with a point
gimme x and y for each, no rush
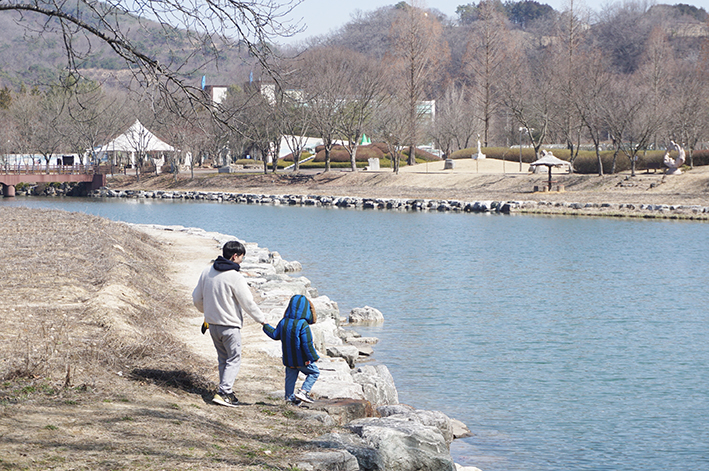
(92, 375)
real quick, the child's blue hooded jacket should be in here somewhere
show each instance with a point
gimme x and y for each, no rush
(294, 333)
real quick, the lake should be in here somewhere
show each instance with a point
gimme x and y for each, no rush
(563, 343)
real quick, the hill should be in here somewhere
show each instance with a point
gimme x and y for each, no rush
(31, 39)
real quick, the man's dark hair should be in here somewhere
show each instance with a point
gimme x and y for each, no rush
(233, 247)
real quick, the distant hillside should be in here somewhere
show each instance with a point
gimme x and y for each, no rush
(30, 58)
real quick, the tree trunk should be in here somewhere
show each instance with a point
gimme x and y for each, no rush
(600, 162)
(691, 157)
(412, 155)
(353, 158)
(327, 158)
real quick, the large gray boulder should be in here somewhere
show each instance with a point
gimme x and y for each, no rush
(335, 381)
(377, 384)
(283, 266)
(333, 460)
(326, 309)
(437, 419)
(325, 334)
(401, 444)
(366, 315)
(348, 352)
(367, 457)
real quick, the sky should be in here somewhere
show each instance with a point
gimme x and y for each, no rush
(324, 16)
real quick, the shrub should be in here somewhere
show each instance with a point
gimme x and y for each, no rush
(587, 162)
(699, 157)
(303, 155)
(248, 162)
(421, 155)
(340, 154)
(314, 164)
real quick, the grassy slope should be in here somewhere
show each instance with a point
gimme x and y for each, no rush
(92, 378)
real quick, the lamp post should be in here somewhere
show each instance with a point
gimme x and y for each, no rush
(521, 129)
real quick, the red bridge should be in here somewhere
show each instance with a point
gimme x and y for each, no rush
(12, 175)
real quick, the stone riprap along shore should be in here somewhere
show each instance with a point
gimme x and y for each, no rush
(697, 212)
(376, 432)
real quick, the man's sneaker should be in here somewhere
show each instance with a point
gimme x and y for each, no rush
(304, 396)
(228, 400)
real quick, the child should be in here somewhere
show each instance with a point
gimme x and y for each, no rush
(299, 354)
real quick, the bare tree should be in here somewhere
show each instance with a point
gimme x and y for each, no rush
(47, 139)
(527, 92)
(418, 49)
(256, 119)
(656, 71)
(365, 87)
(24, 112)
(390, 125)
(590, 98)
(689, 104)
(567, 59)
(326, 92)
(456, 121)
(295, 115)
(484, 59)
(630, 117)
(93, 117)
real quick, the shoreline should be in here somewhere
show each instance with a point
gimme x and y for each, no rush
(340, 359)
(558, 208)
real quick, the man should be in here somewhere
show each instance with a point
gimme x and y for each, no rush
(223, 295)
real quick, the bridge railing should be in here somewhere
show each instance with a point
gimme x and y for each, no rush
(20, 169)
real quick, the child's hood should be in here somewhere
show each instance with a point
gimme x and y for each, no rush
(300, 307)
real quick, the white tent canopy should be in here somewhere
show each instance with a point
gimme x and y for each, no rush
(137, 139)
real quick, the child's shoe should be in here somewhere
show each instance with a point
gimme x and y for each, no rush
(304, 396)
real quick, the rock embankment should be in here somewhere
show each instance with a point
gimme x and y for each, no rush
(698, 212)
(376, 433)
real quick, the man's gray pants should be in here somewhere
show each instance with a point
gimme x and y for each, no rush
(227, 341)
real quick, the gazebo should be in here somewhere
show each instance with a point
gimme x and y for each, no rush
(549, 160)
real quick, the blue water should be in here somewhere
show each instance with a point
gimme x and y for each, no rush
(563, 343)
